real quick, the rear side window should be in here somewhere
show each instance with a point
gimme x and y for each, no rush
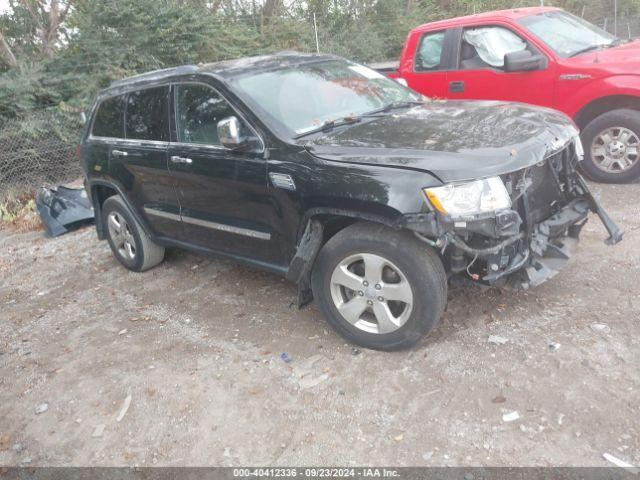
(429, 52)
(147, 115)
(109, 118)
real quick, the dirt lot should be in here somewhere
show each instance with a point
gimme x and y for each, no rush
(196, 343)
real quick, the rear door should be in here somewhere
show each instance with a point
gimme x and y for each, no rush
(427, 73)
(479, 72)
(139, 161)
(224, 194)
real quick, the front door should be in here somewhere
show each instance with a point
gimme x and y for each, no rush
(480, 71)
(224, 194)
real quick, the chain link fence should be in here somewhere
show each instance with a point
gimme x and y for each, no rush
(39, 149)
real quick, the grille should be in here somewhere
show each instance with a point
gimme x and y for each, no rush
(544, 194)
(547, 188)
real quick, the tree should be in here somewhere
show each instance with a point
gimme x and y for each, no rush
(6, 54)
(47, 20)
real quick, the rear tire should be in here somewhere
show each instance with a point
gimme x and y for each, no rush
(379, 288)
(129, 243)
(612, 147)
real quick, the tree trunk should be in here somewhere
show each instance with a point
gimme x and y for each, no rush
(6, 54)
(48, 29)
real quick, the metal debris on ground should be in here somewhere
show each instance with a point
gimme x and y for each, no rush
(43, 407)
(125, 407)
(497, 339)
(355, 351)
(621, 463)
(600, 327)
(511, 416)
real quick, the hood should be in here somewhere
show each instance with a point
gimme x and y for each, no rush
(623, 59)
(453, 140)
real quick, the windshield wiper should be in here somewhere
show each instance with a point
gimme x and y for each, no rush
(392, 106)
(329, 125)
(587, 49)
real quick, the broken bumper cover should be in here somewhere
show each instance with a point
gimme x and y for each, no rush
(552, 244)
(503, 249)
(62, 209)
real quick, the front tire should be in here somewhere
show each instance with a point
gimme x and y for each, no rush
(612, 147)
(379, 288)
(129, 243)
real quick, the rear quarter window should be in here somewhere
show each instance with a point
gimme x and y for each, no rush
(429, 52)
(147, 115)
(109, 121)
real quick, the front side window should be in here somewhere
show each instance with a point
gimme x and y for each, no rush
(109, 118)
(147, 115)
(198, 110)
(566, 34)
(429, 52)
(485, 47)
(304, 97)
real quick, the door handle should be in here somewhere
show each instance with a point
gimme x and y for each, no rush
(119, 153)
(456, 87)
(176, 159)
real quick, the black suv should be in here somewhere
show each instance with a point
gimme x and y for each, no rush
(365, 194)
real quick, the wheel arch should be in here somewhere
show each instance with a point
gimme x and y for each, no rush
(100, 190)
(317, 227)
(602, 105)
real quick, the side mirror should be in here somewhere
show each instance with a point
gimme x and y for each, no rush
(229, 133)
(523, 61)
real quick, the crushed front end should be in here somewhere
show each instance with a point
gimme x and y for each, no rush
(528, 242)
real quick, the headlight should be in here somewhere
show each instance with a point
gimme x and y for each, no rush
(471, 198)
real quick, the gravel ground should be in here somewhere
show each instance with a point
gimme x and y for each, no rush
(195, 345)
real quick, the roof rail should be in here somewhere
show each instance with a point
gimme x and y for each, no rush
(156, 73)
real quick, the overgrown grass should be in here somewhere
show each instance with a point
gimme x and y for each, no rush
(18, 211)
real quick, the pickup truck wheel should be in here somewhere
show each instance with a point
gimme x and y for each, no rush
(379, 288)
(612, 147)
(129, 243)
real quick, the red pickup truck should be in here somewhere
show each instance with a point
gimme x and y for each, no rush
(543, 56)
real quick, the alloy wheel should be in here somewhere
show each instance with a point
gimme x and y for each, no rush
(121, 235)
(615, 149)
(371, 293)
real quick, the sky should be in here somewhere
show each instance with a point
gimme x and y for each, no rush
(4, 5)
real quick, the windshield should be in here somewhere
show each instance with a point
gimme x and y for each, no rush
(566, 34)
(305, 97)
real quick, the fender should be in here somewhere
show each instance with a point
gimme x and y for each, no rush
(389, 221)
(310, 241)
(98, 210)
(614, 85)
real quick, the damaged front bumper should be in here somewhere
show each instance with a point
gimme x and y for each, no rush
(527, 244)
(63, 208)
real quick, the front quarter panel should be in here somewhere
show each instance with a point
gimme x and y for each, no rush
(370, 192)
(577, 89)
